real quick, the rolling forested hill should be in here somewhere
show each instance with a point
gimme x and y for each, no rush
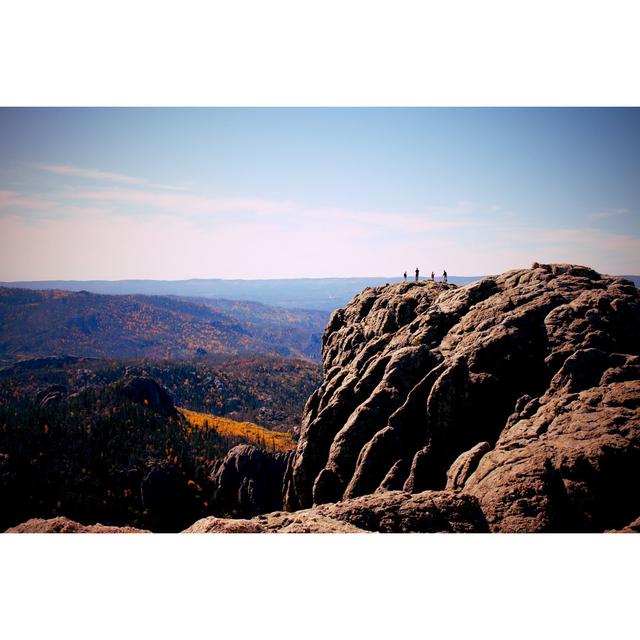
(270, 391)
(54, 322)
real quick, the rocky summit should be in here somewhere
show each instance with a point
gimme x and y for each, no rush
(509, 405)
(520, 391)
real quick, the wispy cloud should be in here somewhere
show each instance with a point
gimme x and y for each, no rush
(17, 200)
(188, 204)
(609, 213)
(428, 220)
(133, 196)
(591, 239)
(97, 174)
(45, 208)
(185, 204)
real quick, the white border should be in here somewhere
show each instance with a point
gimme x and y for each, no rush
(319, 53)
(335, 52)
(315, 586)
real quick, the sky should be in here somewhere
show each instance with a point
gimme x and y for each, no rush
(89, 193)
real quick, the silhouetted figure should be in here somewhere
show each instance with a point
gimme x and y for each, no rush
(405, 276)
(444, 276)
(433, 276)
(417, 274)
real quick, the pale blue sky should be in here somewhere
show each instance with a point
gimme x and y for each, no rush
(257, 193)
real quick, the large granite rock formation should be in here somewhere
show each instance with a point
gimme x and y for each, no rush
(521, 390)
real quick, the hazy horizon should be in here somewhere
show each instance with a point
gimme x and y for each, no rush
(410, 278)
(261, 194)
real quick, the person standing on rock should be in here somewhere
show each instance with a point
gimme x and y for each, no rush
(417, 274)
(405, 276)
(444, 276)
(433, 276)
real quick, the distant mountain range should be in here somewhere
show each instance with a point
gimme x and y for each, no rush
(325, 294)
(55, 322)
(165, 319)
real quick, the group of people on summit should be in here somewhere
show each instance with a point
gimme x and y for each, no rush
(433, 275)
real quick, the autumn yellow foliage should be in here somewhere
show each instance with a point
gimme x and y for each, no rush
(253, 433)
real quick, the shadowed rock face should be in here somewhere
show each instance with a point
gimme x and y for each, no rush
(147, 391)
(248, 481)
(521, 390)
